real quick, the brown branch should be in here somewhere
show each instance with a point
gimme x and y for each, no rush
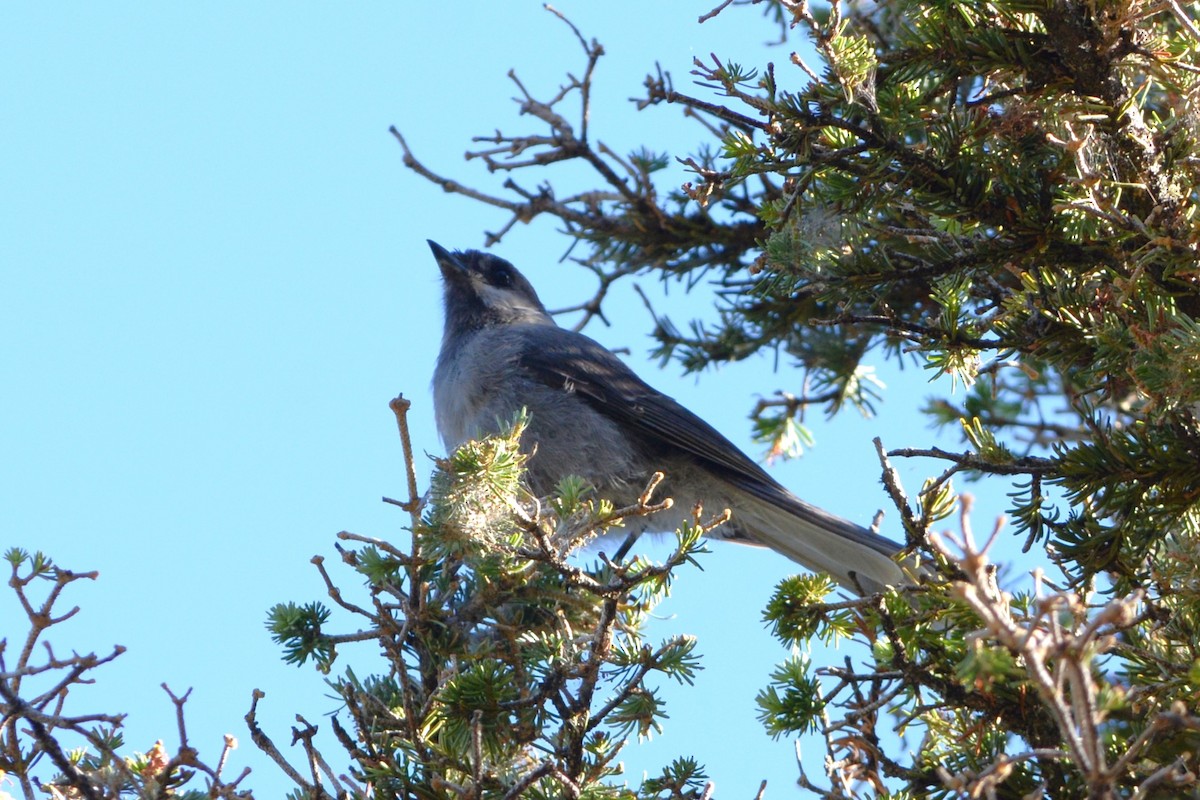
(449, 185)
(264, 743)
(1026, 465)
(49, 745)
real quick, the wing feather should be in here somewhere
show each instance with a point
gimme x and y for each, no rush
(572, 360)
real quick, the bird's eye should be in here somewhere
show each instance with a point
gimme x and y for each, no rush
(502, 277)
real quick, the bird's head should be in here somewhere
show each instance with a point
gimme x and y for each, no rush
(481, 289)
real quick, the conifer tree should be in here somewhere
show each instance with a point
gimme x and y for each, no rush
(1004, 192)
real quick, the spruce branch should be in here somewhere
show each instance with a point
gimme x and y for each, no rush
(38, 720)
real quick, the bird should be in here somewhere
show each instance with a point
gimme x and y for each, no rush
(590, 415)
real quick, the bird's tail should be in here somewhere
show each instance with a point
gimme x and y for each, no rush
(857, 558)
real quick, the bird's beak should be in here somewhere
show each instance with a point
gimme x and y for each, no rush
(451, 267)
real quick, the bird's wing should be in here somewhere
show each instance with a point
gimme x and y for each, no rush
(567, 360)
(857, 557)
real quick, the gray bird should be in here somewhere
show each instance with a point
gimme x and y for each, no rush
(591, 416)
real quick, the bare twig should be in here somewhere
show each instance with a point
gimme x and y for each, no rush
(400, 406)
(714, 12)
(264, 743)
(47, 743)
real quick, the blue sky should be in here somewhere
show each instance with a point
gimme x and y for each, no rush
(215, 277)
